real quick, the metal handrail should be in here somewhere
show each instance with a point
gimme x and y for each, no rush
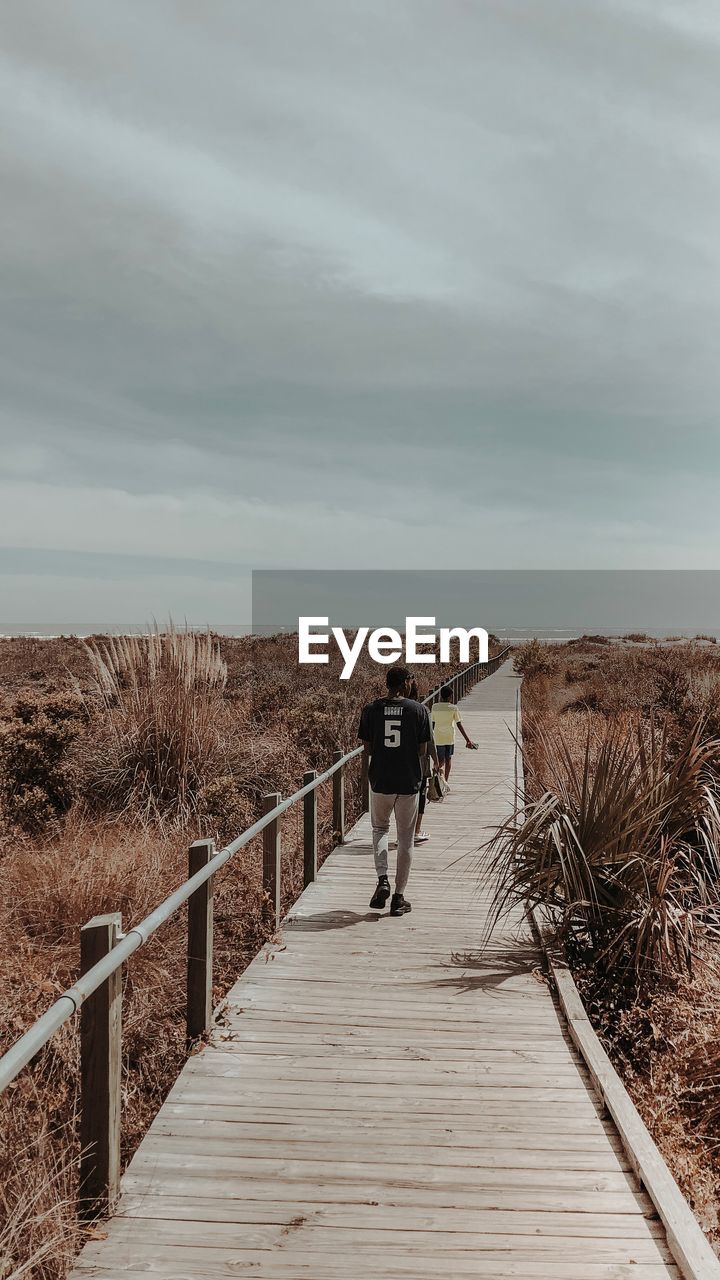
(38, 1035)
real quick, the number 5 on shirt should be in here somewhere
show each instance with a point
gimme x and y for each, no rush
(392, 733)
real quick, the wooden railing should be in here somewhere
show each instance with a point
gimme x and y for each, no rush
(104, 949)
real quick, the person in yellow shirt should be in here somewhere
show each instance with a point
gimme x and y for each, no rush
(445, 716)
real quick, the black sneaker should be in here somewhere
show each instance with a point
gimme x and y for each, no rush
(381, 894)
(399, 905)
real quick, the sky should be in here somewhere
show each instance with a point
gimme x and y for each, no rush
(315, 285)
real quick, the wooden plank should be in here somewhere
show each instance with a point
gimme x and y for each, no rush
(352, 1166)
(322, 1102)
(387, 1150)
(482, 1137)
(290, 1261)
(393, 1225)
(493, 1118)
(279, 1266)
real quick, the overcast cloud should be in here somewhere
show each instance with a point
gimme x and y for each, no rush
(300, 283)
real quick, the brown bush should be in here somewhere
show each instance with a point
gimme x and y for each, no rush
(663, 1035)
(37, 781)
(160, 697)
(535, 659)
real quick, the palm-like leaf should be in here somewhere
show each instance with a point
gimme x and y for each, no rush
(621, 847)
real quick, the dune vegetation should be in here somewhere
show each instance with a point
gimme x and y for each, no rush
(617, 842)
(114, 755)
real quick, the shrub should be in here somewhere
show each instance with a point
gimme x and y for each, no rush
(577, 671)
(322, 722)
(161, 696)
(37, 782)
(625, 680)
(224, 809)
(535, 659)
(620, 848)
(674, 684)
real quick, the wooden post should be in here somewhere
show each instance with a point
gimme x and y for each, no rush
(271, 858)
(100, 1068)
(310, 830)
(199, 944)
(364, 784)
(339, 799)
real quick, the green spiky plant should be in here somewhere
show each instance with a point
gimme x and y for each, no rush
(620, 850)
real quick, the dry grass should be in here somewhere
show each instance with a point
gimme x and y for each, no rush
(180, 738)
(39, 1233)
(664, 1047)
(160, 697)
(663, 1032)
(51, 890)
(535, 659)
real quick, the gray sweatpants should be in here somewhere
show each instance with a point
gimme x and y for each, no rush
(381, 809)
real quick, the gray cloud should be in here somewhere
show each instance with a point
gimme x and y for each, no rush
(366, 284)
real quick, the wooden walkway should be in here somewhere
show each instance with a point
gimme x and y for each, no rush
(384, 1102)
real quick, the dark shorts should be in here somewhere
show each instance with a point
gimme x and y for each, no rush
(422, 795)
(444, 753)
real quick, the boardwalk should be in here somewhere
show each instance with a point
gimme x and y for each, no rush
(382, 1102)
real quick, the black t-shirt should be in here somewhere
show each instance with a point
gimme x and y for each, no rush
(395, 729)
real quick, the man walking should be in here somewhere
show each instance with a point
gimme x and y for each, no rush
(395, 732)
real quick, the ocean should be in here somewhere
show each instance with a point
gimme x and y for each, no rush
(511, 635)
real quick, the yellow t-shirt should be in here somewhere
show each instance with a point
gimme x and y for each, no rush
(445, 716)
